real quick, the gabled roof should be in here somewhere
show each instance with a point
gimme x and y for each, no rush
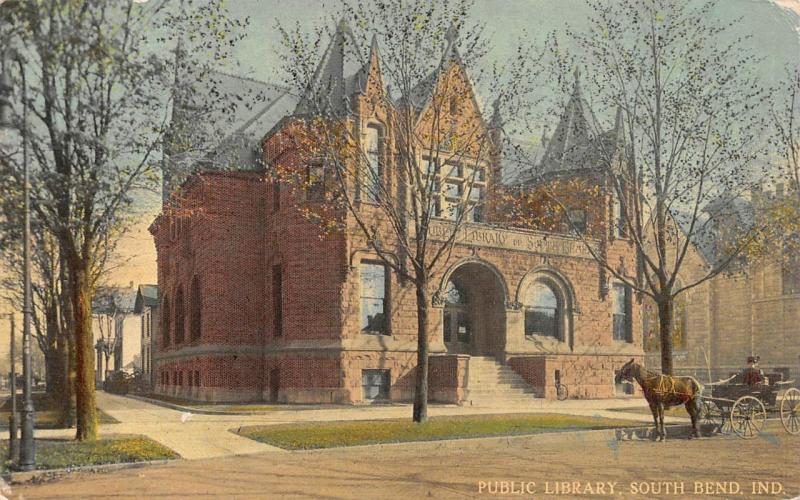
(337, 77)
(239, 109)
(146, 296)
(421, 94)
(226, 116)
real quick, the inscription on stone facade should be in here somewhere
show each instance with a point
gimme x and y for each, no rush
(509, 239)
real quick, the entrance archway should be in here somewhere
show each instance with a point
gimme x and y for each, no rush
(474, 319)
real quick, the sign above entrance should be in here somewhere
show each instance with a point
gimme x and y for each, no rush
(510, 239)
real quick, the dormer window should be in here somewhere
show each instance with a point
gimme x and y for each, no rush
(577, 219)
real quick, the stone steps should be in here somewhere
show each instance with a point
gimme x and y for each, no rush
(491, 383)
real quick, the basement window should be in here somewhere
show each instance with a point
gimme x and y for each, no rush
(375, 385)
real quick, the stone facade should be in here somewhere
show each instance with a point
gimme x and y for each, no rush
(257, 304)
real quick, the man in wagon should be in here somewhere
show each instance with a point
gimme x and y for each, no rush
(753, 375)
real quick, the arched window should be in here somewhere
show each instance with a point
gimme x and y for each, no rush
(179, 315)
(195, 325)
(543, 311)
(457, 326)
(165, 323)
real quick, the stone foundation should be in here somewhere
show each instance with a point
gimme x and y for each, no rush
(586, 377)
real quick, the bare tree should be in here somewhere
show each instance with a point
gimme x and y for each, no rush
(685, 149)
(408, 181)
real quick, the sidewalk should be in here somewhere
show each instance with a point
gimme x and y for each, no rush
(196, 436)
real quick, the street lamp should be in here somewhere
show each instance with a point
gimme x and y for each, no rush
(27, 459)
(13, 420)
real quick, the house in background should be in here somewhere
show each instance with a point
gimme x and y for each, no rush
(147, 306)
(117, 331)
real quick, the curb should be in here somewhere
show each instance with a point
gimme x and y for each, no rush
(202, 411)
(173, 406)
(40, 476)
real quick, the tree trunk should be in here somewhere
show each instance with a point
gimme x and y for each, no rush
(52, 361)
(85, 404)
(421, 390)
(66, 354)
(665, 332)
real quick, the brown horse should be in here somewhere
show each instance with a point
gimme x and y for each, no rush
(665, 391)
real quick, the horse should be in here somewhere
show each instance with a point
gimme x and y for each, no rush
(665, 391)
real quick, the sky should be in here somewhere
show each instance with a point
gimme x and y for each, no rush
(774, 26)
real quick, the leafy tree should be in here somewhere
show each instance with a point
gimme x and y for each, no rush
(99, 95)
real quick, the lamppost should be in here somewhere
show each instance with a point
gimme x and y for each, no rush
(27, 459)
(13, 420)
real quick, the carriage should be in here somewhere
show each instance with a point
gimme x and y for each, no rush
(742, 408)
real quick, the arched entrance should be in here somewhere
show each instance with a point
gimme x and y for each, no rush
(473, 320)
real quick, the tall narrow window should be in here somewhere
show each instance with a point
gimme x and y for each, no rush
(179, 316)
(620, 230)
(276, 195)
(316, 180)
(195, 326)
(277, 300)
(373, 297)
(373, 176)
(622, 313)
(165, 323)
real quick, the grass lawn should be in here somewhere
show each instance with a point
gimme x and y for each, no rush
(59, 454)
(314, 435)
(46, 413)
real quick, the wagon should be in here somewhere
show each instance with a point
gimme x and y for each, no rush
(743, 408)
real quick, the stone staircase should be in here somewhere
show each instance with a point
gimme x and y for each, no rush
(491, 383)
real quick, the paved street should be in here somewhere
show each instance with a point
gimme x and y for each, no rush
(206, 436)
(455, 469)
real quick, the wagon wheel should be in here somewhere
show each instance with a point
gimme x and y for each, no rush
(790, 411)
(747, 417)
(710, 414)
